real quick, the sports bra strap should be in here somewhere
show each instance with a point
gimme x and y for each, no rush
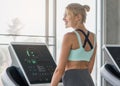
(78, 37)
(86, 39)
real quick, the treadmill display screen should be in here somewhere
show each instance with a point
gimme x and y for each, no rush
(36, 61)
(115, 53)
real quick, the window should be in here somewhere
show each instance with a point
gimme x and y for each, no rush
(38, 21)
(25, 21)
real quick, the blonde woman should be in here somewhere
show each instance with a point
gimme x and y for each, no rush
(78, 50)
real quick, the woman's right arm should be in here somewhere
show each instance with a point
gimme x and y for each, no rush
(66, 46)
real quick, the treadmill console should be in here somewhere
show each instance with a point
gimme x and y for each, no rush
(34, 60)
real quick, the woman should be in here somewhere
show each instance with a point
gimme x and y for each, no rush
(78, 50)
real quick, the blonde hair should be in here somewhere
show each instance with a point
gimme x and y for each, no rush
(76, 9)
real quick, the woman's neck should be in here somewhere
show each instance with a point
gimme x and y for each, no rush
(80, 26)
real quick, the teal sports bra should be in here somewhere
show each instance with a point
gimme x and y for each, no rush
(80, 54)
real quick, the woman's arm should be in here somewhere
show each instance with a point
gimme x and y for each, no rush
(92, 61)
(66, 46)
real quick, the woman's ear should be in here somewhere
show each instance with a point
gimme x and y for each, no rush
(78, 17)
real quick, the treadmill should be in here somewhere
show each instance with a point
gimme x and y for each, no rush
(110, 71)
(32, 65)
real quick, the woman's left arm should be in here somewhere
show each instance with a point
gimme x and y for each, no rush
(66, 46)
(92, 61)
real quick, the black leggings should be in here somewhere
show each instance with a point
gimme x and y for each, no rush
(77, 77)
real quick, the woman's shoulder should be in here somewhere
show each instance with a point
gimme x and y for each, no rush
(93, 36)
(69, 37)
(92, 32)
(69, 34)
